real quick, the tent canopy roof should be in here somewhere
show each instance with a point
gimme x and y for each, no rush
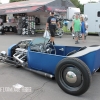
(25, 4)
(36, 5)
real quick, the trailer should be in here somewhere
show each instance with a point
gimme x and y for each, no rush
(71, 11)
(92, 10)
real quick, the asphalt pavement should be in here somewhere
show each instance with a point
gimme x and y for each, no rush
(41, 88)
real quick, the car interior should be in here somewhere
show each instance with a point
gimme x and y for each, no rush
(42, 45)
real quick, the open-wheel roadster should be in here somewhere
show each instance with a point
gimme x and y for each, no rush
(71, 66)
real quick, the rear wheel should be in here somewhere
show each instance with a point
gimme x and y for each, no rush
(73, 76)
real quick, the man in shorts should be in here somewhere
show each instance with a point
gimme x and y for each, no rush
(51, 23)
(76, 27)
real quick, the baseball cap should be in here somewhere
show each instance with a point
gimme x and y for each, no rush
(52, 12)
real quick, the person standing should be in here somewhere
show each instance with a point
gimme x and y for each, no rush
(76, 27)
(83, 28)
(52, 22)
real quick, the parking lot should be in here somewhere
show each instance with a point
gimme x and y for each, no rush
(42, 88)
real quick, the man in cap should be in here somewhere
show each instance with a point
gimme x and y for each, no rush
(51, 23)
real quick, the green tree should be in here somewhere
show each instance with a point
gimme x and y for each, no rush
(75, 2)
(16, 0)
(78, 5)
(81, 8)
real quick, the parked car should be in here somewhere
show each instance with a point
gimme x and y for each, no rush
(71, 66)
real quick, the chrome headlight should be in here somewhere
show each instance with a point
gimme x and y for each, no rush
(3, 53)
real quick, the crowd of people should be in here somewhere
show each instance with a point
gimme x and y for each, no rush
(78, 27)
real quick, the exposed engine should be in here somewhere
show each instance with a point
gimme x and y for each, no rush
(20, 52)
(20, 56)
(17, 55)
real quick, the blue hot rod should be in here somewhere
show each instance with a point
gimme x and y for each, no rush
(70, 66)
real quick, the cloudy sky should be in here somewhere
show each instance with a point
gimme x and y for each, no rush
(4, 1)
(82, 1)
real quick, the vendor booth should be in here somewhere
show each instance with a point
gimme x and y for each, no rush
(29, 17)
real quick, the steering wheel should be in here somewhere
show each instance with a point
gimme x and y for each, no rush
(50, 49)
(47, 48)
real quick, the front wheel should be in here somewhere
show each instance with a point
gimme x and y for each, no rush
(73, 76)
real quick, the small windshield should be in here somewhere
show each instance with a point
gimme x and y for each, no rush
(39, 41)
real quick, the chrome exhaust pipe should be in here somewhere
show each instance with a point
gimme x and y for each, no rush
(41, 73)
